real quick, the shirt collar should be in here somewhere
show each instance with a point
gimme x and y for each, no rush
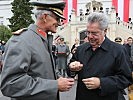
(103, 46)
(42, 33)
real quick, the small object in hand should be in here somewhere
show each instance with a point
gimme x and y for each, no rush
(88, 87)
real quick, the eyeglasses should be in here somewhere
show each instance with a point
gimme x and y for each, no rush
(56, 18)
(93, 33)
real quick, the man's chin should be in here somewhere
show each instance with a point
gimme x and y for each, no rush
(92, 44)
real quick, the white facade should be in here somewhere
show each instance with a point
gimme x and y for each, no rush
(81, 4)
(5, 11)
(5, 8)
(131, 9)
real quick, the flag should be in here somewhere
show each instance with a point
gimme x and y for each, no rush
(70, 4)
(122, 8)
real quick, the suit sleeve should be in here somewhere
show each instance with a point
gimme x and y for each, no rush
(74, 58)
(122, 77)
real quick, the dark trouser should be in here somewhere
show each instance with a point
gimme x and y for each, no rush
(63, 72)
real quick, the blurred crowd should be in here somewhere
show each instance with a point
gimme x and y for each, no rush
(2, 48)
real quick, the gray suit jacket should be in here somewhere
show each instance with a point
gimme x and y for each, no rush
(29, 70)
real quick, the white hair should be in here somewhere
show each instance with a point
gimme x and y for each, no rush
(100, 18)
(38, 13)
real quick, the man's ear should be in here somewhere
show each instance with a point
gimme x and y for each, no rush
(44, 17)
(105, 31)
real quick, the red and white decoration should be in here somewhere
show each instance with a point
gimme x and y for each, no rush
(70, 4)
(122, 8)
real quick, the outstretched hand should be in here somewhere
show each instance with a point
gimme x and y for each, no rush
(65, 84)
(75, 66)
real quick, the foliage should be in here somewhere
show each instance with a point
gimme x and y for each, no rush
(5, 33)
(21, 18)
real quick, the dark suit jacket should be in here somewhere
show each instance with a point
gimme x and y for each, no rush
(108, 62)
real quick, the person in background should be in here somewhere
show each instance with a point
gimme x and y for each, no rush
(54, 52)
(117, 19)
(87, 12)
(131, 53)
(28, 71)
(128, 45)
(101, 64)
(130, 22)
(101, 10)
(125, 42)
(85, 39)
(57, 40)
(62, 55)
(54, 45)
(128, 49)
(118, 40)
(3, 46)
(1, 58)
(75, 45)
(81, 15)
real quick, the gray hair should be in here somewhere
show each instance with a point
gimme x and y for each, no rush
(100, 18)
(38, 13)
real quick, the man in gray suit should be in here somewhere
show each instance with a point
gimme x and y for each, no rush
(28, 69)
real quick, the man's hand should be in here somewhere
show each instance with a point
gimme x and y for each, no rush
(64, 84)
(75, 66)
(92, 83)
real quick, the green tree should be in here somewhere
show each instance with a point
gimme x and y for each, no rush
(5, 33)
(21, 18)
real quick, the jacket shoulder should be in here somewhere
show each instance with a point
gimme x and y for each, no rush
(18, 32)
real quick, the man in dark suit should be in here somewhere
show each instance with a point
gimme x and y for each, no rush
(102, 66)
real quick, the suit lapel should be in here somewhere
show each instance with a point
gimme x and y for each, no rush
(50, 41)
(47, 40)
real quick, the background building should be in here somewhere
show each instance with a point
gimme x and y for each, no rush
(75, 25)
(123, 8)
(5, 11)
